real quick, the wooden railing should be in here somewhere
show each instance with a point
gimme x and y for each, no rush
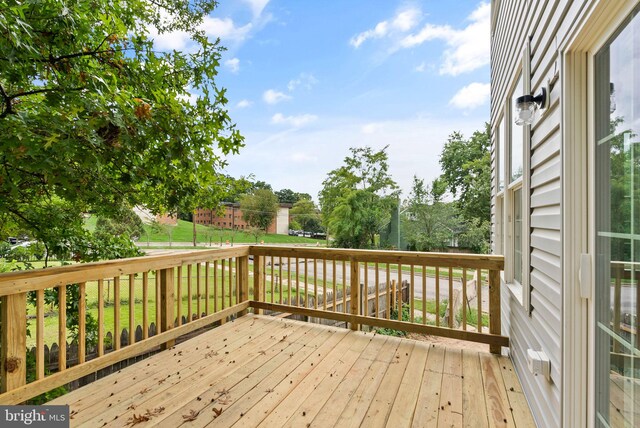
(168, 296)
(175, 293)
(381, 289)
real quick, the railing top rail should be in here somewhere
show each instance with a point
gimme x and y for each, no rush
(23, 281)
(472, 261)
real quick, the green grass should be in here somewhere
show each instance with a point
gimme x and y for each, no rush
(183, 232)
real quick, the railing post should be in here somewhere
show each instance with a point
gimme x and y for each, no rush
(257, 282)
(167, 303)
(14, 341)
(494, 308)
(355, 288)
(242, 268)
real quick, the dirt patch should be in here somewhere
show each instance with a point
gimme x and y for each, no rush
(450, 343)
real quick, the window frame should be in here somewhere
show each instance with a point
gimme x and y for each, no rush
(521, 291)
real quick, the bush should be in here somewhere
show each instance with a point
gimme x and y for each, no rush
(20, 254)
(37, 250)
(5, 248)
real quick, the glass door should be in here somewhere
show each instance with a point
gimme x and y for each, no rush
(617, 222)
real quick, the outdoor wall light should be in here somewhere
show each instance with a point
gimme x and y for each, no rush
(526, 106)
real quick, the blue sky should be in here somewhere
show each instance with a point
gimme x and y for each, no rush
(306, 80)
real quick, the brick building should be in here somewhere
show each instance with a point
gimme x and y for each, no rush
(231, 218)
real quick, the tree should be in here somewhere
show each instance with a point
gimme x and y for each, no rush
(260, 208)
(124, 222)
(286, 196)
(92, 115)
(466, 168)
(357, 198)
(429, 223)
(306, 215)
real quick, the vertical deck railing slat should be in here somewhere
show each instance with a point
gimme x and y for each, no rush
(145, 305)
(40, 334)
(82, 321)
(101, 317)
(62, 327)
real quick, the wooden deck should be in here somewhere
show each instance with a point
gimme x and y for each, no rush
(270, 372)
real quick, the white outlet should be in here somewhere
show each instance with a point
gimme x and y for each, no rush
(539, 363)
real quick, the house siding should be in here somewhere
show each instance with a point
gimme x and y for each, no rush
(544, 24)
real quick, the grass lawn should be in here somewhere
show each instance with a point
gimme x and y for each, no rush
(183, 232)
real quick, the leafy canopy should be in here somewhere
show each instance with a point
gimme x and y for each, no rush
(357, 198)
(259, 209)
(93, 117)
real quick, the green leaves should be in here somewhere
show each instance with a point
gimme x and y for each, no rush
(93, 115)
(259, 208)
(357, 198)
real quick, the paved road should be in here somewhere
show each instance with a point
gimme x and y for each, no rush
(382, 278)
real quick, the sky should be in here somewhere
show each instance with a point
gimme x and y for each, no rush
(307, 80)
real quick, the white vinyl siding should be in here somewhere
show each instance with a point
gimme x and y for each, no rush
(544, 24)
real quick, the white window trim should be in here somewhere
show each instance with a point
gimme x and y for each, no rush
(520, 291)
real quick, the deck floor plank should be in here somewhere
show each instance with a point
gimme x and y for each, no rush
(450, 414)
(232, 387)
(495, 393)
(474, 408)
(266, 371)
(80, 401)
(358, 403)
(270, 400)
(247, 394)
(380, 406)
(519, 407)
(405, 401)
(368, 363)
(226, 363)
(345, 353)
(356, 361)
(428, 401)
(128, 386)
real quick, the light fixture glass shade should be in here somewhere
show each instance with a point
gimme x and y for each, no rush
(525, 112)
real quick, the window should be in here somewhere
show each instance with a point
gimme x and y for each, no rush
(517, 136)
(501, 155)
(512, 184)
(517, 235)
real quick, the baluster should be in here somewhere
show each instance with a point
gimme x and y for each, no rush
(100, 318)
(132, 309)
(82, 322)
(40, 334)
(179, 294)
(424, 294)
(62, 327)
(494, 307)
(116, 312)
(437, 296)
(145, 304)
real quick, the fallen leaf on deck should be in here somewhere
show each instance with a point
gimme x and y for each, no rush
(137, 419)
(191, 416)
(218, 412)
(144, 391)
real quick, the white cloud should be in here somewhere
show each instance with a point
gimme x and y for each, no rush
(295, 121)
(420, 68)
(471, 96)
(233, 64)
(414, 146)
(403, 21)
(271, 96)
(304, 80)
(244, 104)
(300, 157)
(257, 6)
(225, 29)
(371, 128)
(467, 48)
